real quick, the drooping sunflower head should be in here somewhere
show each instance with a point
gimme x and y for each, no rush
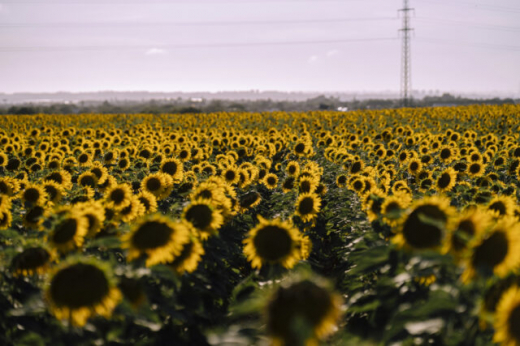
(302, 312)
(32, 260)
(307, 206)
(495, 252)
(273, 241)
(156, 237)
(424, 226)
(81, 288)
(204, 217)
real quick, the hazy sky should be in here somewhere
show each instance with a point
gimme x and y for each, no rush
(287, 45)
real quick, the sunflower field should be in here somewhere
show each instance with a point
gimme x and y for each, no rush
(387, 227)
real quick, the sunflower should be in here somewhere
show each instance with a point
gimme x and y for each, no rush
(502, 206)
(372, 203)
(32, 260)
(302, 148)
(308, 206)
(448, 154)
(424, 226)
(302, 312)
(34, 217)
(476, 169)
(79, 289)
(467, 225)
(118, 196)
(496, 251)
(446, 180)
(189, 258)
(69, 233)
(230, 175)
(95, 215)
(132, 211)
(61, 177)
(88, 179)
(34, 194)
(158, 184)
(100, 172)
(249, 200)
(148, 201)
(271, 181)
(307, 184)
(293, 168)
(53, 190)
(507, 318)
(273, 241)
(414, 166)
(204, 217)
(157, 237)
(341, 180)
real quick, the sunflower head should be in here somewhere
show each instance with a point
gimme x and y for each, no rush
(32, 260)
(79, 289)
(204, 217)
(273, 241)
(424, 226)
(507, 318)
(302, 312)
(307, 206)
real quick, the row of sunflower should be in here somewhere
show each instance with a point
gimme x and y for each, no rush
(208, 229)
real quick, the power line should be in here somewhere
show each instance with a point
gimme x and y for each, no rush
(459, 43)
(476, 6)
(406, 54)
(472, 24)
(203, 23)
(183, 46)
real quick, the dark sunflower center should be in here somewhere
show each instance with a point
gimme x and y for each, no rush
(88, 180)
(498, 206)
(200, 215)
(306, 206)
(77, 286)
(492, 251)
(474, 168)
(358, 185)
(185, 254)
(145, 202)
(420, 228)
(31, 195)
(153, 184)
(151, 235)
(207, 194)
(392, 207)
(56, 176)
(299, 148)
(305, 186)
(288, 184)
(444, 180)
(51, 191)
(356, 167)
(117, 196)
(230, 175)
(31, 258)
(97, 172)
(445, 153)
(414, 166)
(514, 323)
(83, 158)
(34, 214)
(292, 169)
(272, 243)
(65, 231)
(271, 181)
(342, 179)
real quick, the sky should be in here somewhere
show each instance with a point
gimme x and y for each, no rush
(286, 45)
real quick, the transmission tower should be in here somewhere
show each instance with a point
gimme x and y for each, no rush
(406, 55)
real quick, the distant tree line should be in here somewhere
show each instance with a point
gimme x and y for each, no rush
(205, 106)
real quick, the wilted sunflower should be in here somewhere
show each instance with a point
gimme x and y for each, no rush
(189, 258)
(69, 233)
(157, 237)
(204, 217)
(507, 318)
(32, 260)
(446, 180)
(302, 312)
(79, 289)
(424, 226)
(118, 196)
(496, 251)
(273, 241)
(307, 206)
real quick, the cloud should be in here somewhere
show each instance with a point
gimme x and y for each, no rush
(312, 59)
(155, 51)
(332, 53)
